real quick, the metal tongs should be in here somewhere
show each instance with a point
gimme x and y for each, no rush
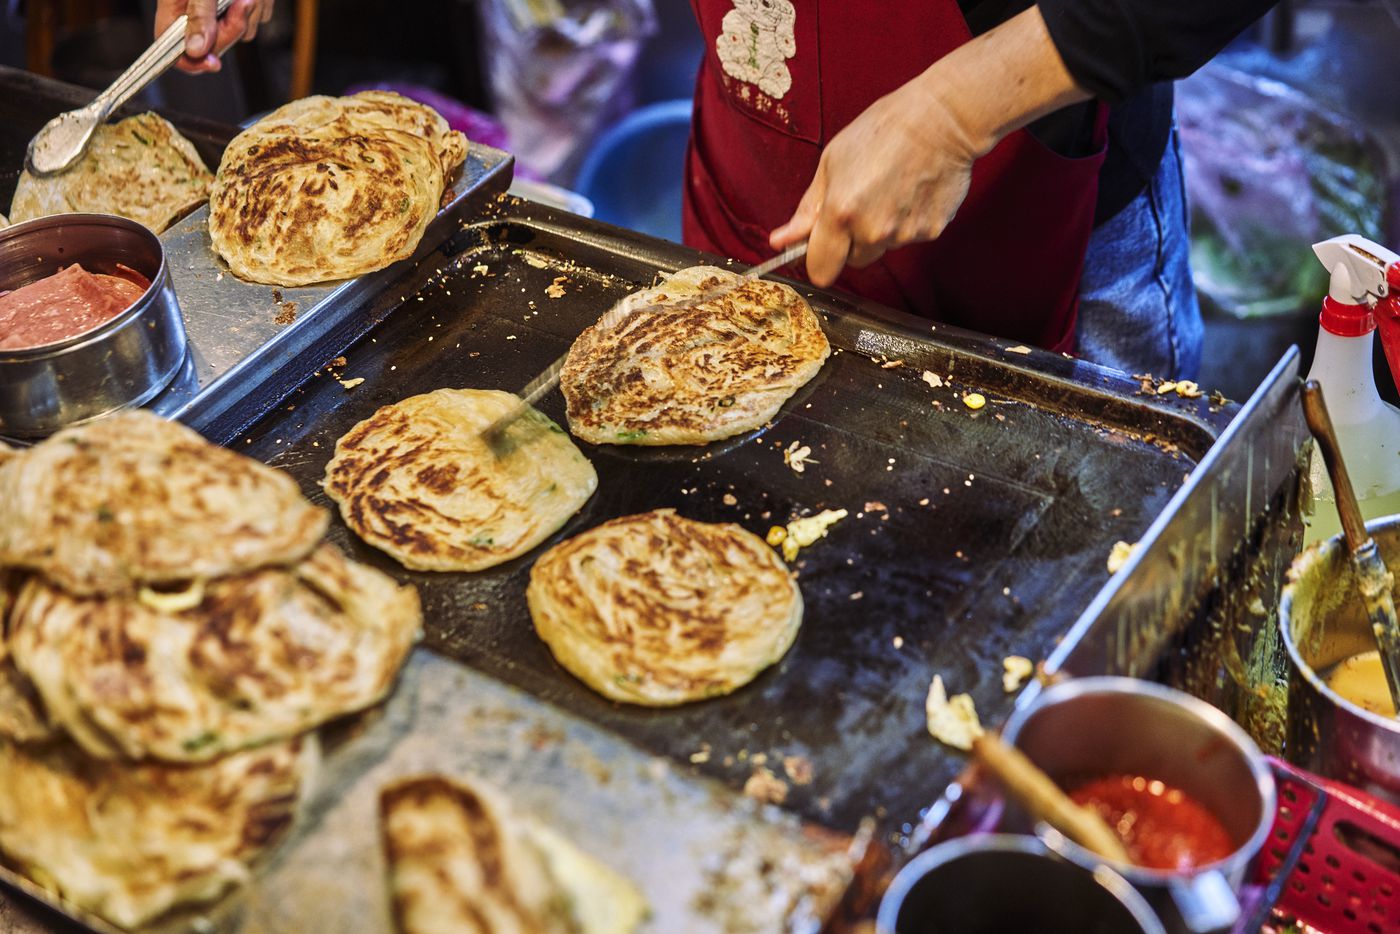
(541, 385)
(65, 138)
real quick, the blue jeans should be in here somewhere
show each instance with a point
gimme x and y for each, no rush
(1137, 305)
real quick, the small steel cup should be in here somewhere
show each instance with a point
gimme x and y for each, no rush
(1085, 728)
(994, 883)
(125, 361)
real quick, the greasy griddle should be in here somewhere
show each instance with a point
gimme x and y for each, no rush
(1024, 499)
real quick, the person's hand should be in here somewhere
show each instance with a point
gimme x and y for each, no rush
(895, 175)
(898, 172)
(207, 36)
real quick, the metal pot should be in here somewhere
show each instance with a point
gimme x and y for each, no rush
(1322, 621)
(989, 883)
(126, 361)
(1089, 727)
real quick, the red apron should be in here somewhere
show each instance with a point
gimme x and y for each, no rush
(781, 77)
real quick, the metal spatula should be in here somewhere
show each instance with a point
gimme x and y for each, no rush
(540, 386)
(1373, 579)
(65, 138)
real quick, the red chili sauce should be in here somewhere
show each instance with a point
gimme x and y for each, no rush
(73, 301)
(1161, 826)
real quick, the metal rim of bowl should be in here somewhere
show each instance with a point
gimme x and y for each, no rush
(1321, 550)
(98, 333)
(1214, 717)
(904, 881)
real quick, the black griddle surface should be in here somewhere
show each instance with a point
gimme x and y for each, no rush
(972, 535)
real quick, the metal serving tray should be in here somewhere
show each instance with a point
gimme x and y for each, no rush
(972, 535)
(249, 344)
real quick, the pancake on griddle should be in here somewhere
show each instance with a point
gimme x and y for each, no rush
(134, 499)
(659, 610)
(696, 374)
(460, 860)
(129, 842)
(417, 481)
(331, 187)
(237, 661)
(140, 168)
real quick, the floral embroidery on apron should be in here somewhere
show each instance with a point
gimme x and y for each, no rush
(756, 42)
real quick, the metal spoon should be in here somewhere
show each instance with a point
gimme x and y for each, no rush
(1374, 580)
(65, 138)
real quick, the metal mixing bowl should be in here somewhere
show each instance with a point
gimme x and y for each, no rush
(126, 361)
(1323, 620)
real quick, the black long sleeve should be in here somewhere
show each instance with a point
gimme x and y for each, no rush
(1115, 48)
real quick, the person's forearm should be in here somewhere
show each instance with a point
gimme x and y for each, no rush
(1001, 80)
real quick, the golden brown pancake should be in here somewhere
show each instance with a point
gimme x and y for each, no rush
(130, 842)
(21, 715)
(461, 861)
(696, 374)
(659, 610)
(331, 187)
(238, 661)
(134, 499)
(140, 168)
(416, 480)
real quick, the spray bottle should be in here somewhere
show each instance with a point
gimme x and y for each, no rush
(1364, 295)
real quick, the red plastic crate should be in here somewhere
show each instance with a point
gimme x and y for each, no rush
(1346, 848)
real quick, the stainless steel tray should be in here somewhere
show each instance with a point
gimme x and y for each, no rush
(252, 344)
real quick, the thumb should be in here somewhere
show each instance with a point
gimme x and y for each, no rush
(200, 29)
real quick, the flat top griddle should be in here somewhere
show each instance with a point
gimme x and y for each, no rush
(972, 535)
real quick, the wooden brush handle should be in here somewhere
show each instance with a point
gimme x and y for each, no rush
(1044, 800)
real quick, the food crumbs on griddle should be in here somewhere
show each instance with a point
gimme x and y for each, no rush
(1166, 387)
(798, 456)
(702, 755)
(932, 378)
(876, 506)
(897, 642)
(286, 312)
(338, 361)
(766, 787)
(510, 337)
(974, 400)
(952, 721)
(799, 769)
(924, 501)
(1119, 556)
(729, 499)
(1015, 670)
(857, 595)
(556, 288)
(352, 383)
(891, 364)
(1019, 348)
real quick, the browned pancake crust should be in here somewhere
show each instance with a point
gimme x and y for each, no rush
(455, 864)
(260, 657)
(133, 499)
(140, 168)
(657, 609)
(328, 188)
(694, 374)
(129, 842)
(416, 480)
